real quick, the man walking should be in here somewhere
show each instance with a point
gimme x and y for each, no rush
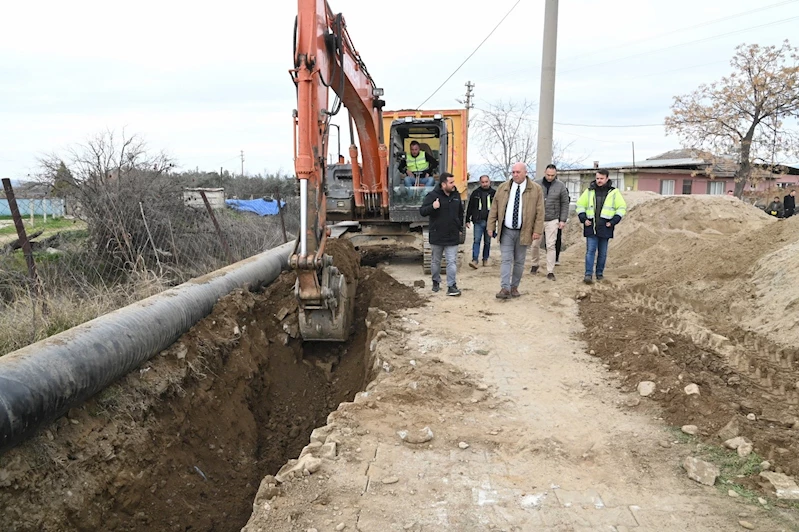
(789, 203)
(477, 213)
(444, 207)
(556, 211)
(600, 208)
(516, 219)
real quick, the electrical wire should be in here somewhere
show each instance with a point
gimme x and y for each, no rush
(678, 45)
(679, 30)
(586, 125)
(471, 54)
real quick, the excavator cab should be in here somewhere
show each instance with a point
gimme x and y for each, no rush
(406, 195)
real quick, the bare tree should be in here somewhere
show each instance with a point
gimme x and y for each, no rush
(111, 177)
(506, 134)
(744, 113)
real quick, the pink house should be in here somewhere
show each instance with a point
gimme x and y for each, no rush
(679, 172)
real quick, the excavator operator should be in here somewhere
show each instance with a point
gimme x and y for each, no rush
(418, 167)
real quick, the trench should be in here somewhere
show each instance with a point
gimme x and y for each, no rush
(183, 443)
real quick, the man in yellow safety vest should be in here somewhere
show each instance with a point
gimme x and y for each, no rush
(418, 167)
(600, 208)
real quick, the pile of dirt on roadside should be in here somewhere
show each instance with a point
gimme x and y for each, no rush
(755, 397)
(183, 443)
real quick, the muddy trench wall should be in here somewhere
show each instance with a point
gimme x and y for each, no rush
(183, 442)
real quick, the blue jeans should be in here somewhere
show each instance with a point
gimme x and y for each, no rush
(423, 181)
(480, 233)
(451, 254)
(595, 247)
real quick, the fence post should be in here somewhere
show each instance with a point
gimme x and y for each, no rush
(44, 210)
(218, 229)
(280, 211)
(31, 209)
(23, 240)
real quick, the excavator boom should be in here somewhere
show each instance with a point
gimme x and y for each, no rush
(325, 59)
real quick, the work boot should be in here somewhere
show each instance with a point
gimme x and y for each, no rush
(551, 276)
(485, 263)
(557, 262)
(587, 280)
(473, 264)
(436, 286)
(503, 294)
(514, 292)
(600, 278)
(534, 269)
(453, 290)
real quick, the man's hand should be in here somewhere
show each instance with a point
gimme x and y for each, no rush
(468, 225)
(588, 223)
(536, 236)
(436, 204)
(607, 224)
(561, 225)
(408, 173)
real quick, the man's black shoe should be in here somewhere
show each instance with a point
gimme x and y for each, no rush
(436, 287)
(453, 291)
(534, 269)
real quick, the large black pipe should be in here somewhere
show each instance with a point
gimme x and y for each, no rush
(40, 382)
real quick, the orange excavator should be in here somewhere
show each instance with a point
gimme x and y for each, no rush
(379, 201)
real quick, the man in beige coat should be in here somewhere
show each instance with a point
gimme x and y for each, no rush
(516, 219)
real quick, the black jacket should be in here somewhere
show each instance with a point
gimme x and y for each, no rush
(478, 208)
(446, 222)
(789, 203)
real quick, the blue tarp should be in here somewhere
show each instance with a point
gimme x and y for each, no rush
(261, 207)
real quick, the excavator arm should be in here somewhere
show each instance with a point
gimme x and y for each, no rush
(325, 59)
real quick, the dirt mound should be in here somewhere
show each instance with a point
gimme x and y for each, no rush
(345, 258)
(738, 376)
(389, 294)
(184, 442)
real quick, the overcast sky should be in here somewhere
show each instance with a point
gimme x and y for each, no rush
(203, 82)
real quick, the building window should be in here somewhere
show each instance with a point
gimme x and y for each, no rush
(715, 188)
(687, 186)
(667, 187)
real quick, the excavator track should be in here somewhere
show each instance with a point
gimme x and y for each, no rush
(427, 252)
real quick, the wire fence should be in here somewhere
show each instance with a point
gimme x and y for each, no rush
(86, 260)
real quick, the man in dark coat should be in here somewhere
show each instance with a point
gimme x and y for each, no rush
(444, 207)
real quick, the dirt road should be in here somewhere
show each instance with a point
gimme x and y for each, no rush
(529, 432)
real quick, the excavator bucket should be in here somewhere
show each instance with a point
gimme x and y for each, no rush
(330, 319)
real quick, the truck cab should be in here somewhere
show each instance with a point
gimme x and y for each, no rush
(407, 193)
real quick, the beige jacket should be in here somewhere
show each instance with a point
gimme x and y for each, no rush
(532, 211)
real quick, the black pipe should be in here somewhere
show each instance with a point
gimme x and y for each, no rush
(42, 381)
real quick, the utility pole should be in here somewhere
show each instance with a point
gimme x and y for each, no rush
(242, 163)
(546, 101)
(467, 102)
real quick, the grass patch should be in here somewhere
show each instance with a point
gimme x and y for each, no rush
(676, 434)
(22, 321)
(39, 224)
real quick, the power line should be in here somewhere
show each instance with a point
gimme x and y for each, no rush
(679, 30)
(678, 45)
(608, 125)
(671, 71)
(586, 125)
(471, 54)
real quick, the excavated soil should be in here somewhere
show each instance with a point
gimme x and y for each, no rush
(183, 443)
(704, 290)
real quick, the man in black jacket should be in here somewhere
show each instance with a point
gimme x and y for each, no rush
(477, 213)
(789, 203)
(444, 207)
